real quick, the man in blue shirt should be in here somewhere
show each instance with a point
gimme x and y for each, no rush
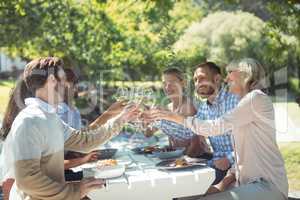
(218, 101)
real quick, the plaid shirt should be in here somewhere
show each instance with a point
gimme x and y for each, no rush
(174, 130)
(221, 145)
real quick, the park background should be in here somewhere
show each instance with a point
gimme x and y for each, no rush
(126, 43)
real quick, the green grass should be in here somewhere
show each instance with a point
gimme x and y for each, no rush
(294, 84)
(291, 155)
(5, 88)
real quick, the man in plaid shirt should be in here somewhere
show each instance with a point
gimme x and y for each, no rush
(218, 101)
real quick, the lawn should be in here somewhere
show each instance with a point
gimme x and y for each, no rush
(290, 151)
(291, 155)
(5, 87)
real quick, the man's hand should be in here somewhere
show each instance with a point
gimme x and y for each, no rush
(222, 164)
(159, 114)
(86, 185)
(116, 108)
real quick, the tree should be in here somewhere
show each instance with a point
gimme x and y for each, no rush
(122, 37)
(225, 36)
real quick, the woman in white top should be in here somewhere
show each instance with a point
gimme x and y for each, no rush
(259, 171)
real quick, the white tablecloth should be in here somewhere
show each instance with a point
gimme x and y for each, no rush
(142, 180)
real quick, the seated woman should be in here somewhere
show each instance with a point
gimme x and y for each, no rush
(260, 172)
(70, 115)
(173, 85)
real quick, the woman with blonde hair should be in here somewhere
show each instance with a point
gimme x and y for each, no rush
(259, 170)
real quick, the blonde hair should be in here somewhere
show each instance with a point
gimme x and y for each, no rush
(253, 73)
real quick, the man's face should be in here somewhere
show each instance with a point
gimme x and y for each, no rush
(205, 82)
(59, 88)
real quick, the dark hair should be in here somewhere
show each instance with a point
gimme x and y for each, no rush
(71, 76)
(34, 77)
(37, 71)
(15, 105)
(175, 71)
(215, 69)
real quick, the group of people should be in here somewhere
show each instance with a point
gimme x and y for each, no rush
(41, 125)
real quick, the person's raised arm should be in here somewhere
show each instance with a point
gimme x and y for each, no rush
(87, 140)
(115, 109)
(252, 106)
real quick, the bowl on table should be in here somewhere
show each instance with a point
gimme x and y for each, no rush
(168, 153)
(106, 153)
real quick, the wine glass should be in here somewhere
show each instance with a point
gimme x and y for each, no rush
(122, 94)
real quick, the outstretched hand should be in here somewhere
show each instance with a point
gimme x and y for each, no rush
(158, 114)
(90, 157)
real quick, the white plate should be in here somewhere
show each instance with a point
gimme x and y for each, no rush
(109, 171)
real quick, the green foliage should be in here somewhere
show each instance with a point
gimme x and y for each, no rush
(224, 36)
(294, 85)
(121, 37)
(291, 154)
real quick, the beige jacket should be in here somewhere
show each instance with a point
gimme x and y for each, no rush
(253, 129)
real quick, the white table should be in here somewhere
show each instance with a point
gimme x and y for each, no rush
(142, 180)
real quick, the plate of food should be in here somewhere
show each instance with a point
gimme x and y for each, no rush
(176, 164)
(145, 150)
(168, 152)
(108, 168)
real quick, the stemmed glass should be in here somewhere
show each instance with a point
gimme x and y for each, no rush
(144, 97)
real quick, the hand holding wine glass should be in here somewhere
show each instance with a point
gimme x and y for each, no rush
(117, 107)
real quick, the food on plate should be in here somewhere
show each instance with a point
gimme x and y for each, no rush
(180, 163)
(150, 149)
(106, 163)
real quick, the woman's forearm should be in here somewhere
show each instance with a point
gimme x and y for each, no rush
(73, 162)
(102, 119)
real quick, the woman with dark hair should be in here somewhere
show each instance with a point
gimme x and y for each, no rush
(68, 112)
(66, 109)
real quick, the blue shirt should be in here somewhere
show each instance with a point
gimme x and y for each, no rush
(69, 116)
(224, 102)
